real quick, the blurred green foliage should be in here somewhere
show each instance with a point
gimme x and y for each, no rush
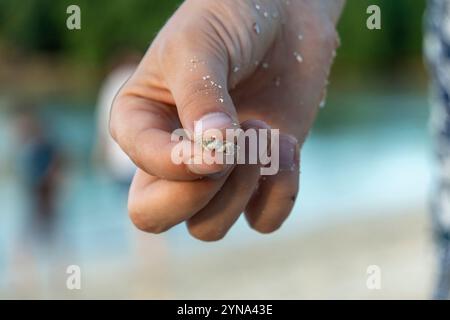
(38, 26)
(399, 40)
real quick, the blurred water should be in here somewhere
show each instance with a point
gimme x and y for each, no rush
(377, 163)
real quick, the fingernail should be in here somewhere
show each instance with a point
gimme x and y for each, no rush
(217, 120)
(288, 152)
(210, 135)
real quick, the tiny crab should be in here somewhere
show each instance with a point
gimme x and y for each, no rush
(213, 144)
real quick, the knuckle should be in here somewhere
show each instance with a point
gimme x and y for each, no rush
(112, 125)
(116, 113)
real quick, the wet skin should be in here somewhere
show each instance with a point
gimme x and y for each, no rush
(260, 60)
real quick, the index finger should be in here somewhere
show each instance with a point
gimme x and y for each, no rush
(144, 130)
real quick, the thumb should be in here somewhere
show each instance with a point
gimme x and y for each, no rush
(199, 86)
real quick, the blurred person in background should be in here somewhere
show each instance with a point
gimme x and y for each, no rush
(437, 50)
(39, 167)
(113, 160)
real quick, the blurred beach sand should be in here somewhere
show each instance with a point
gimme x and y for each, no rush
(329, 262)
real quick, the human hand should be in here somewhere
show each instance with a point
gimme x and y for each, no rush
(224, 63)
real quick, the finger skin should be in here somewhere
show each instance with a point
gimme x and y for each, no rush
(214, 221)
(143, 128)
(275, 197)
(271, 84)
(155, 205)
